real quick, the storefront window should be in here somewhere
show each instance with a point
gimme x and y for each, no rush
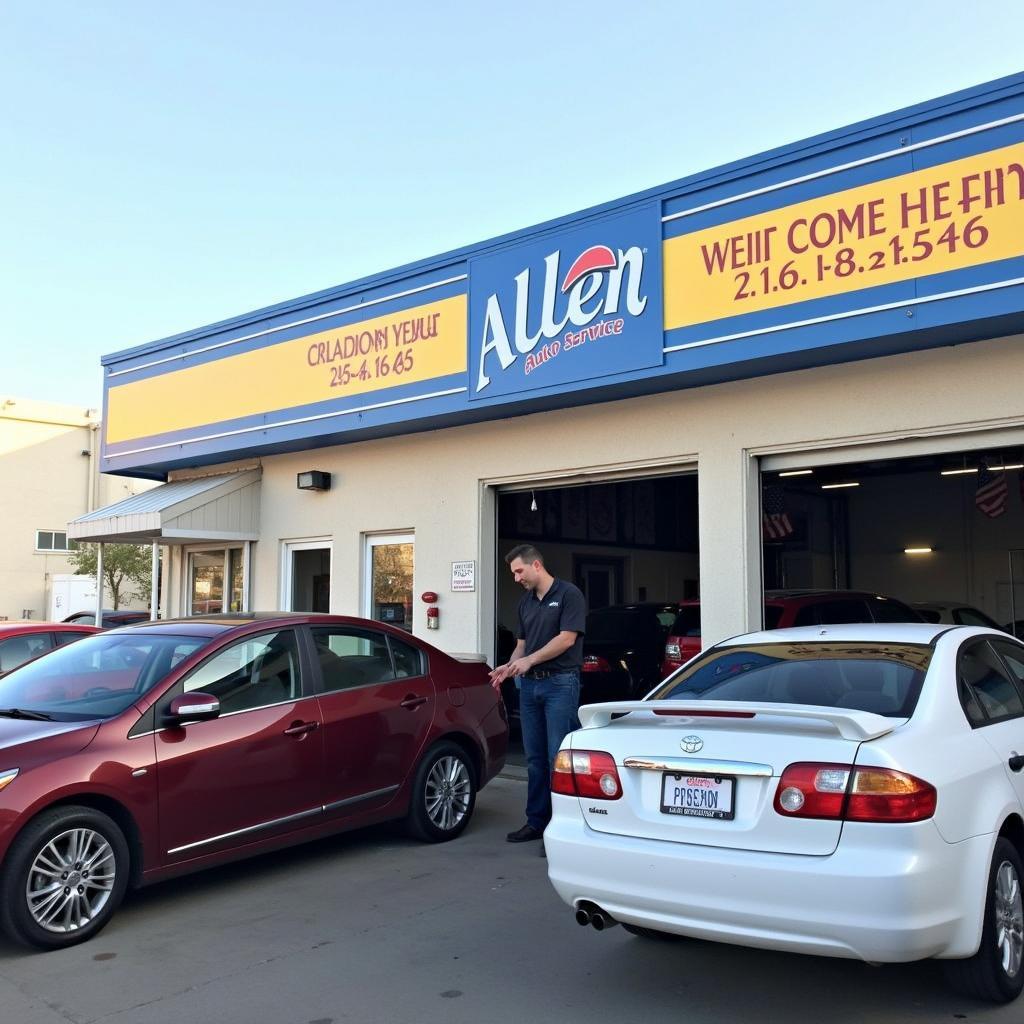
(237, 577)
(207, 582)
(216, 581)
(390, 566)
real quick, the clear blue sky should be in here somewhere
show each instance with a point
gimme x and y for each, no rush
(168, 165)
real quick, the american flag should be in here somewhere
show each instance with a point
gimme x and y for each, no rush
(990, 497)
(775, 522)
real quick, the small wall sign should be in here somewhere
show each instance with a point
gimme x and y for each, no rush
(463, 576)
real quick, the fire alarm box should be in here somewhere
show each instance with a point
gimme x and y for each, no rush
(433, 617)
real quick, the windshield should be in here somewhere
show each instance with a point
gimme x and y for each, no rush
(96, 677)
(881, 678)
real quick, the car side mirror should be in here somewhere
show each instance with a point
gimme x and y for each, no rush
(193, 707)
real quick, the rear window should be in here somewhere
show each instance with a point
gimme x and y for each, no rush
(687, 623)
(881, 678)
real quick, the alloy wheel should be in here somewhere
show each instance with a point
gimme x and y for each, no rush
(1009, 911)
(448, 792)
(70, 880)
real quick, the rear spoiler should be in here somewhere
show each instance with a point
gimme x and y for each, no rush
(850, 724)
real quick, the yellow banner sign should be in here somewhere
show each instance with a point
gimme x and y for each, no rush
(407, 347)
(958, 214)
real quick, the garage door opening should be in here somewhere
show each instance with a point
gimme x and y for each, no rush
(941, 533)
(631, 546)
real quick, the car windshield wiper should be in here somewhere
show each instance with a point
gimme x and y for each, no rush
(35, 716)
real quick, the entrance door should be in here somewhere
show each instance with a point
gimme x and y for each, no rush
(306, 576)
(387, 588)
(600, 579)
(215, 581)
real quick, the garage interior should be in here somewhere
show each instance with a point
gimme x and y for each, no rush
(621, 542)
(938, 528)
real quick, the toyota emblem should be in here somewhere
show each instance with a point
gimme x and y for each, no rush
(691, 744)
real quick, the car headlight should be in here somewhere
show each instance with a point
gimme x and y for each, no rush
(6, 778)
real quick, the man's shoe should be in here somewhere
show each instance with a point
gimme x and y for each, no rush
(525, 834)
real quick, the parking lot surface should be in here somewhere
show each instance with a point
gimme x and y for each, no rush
(373, 927)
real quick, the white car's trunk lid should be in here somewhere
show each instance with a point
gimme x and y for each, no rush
(670, 753)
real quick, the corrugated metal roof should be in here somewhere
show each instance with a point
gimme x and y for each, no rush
(157, 499)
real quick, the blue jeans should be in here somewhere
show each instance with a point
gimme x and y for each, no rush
(547, 711)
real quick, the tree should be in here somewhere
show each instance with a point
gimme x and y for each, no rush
(123, 564)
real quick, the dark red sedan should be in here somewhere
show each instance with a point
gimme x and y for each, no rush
(158, 749)
(23, 641)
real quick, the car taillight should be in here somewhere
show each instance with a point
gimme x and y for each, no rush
(595, 663)
(844, 792)
(673, 651)
(589, 773)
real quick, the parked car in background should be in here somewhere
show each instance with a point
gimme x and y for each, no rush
(23, 641)
(683, 640)
(111, 619)
(786, 608)
(954, 613)
(298, 726)
(852, 791)
(622, 650)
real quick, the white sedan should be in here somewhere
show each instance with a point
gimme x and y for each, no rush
(852, 791)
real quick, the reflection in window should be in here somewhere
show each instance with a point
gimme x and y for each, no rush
(352, 657)
(207, 596)
(235, 561)
(250, 674)
(391, 571)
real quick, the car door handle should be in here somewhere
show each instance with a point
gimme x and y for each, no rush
(412, 701)
(1016, 762)
(300, 728)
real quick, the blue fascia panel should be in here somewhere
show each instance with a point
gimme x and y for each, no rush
(843, 327)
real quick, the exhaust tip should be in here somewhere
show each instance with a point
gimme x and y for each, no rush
(583, 917)
(599, 922)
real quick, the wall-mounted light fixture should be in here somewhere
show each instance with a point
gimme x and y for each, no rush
(917, 551)
(313, 480)
(797, 472)
(836, 487)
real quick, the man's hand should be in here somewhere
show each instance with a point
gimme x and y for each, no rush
(519, 667)
(516, 667)
(498, 676)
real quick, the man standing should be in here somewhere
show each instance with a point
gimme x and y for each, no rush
(547, 659)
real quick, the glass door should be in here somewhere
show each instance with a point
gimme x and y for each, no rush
(306, 576)
(388, 585)
(216, 581)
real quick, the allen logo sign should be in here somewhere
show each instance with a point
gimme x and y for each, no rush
(583, 306)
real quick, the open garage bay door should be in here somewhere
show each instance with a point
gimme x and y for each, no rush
(942, 532)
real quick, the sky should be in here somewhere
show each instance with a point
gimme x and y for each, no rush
(165, 166)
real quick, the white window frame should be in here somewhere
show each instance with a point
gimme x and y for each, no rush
(371, 541)
(288, 548)
(196, 549)
(54, 550)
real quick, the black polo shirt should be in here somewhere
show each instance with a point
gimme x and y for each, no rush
(562, 608)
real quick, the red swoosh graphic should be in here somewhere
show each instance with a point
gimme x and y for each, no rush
(597, 257)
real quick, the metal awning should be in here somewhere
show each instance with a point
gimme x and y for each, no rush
(209, 508)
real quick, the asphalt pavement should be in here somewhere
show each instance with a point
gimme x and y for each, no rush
(374, 928)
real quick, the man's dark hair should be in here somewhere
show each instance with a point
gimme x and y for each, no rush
(527, 552)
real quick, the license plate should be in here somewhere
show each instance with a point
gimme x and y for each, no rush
(698, 796)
